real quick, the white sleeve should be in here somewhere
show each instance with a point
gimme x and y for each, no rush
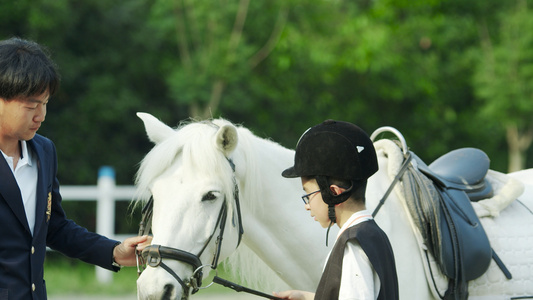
(359, 280)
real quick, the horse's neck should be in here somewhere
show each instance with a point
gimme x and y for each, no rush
(276, 222)
(276, 230)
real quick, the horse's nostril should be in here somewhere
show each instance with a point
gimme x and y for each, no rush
(167, 292)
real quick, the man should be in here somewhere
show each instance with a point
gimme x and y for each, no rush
(31, 216)
(334, 159)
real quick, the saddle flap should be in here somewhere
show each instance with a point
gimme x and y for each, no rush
(466, 248)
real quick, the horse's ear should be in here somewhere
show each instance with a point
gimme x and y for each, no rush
(156, 130)
(226, 139)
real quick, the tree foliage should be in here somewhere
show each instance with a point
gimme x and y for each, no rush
(447, 74)
(504, 81)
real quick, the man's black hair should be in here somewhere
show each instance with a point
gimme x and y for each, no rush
(26, 69)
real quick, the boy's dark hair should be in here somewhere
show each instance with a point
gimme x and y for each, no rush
(26, 69)
(357, 192)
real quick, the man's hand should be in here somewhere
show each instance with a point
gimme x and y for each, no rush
(124, 254)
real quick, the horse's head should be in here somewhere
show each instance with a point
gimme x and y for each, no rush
(191, 178)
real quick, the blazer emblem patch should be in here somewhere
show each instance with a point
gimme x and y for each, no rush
(49, 207)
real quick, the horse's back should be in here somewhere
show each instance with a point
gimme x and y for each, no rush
(511, 237)
(525, 176)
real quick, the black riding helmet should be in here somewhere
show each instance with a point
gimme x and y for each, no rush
(334, 149)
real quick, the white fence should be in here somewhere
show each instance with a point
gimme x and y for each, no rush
(105, 193)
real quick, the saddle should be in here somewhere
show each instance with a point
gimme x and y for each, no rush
(462, 248)
(462, 169)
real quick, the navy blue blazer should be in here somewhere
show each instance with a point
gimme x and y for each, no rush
(21, 254)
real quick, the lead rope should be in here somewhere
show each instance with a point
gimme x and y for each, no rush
(240, 288)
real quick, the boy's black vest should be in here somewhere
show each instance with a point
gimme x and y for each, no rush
(376, 245)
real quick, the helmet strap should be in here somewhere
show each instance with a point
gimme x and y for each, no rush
(331, 213)
(327, 233)
(332, 219)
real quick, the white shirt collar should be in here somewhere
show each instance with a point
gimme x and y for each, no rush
(25, 156)
(356, 218)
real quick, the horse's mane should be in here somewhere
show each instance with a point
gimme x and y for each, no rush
(193, 144)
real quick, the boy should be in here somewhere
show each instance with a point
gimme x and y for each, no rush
(334, 160)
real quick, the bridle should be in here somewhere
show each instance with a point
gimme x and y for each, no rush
(153, 255)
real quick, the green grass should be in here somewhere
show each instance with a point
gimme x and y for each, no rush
(65, 276)
(68, 276)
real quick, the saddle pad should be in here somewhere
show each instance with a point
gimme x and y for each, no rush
(506, 190)
(511, 236)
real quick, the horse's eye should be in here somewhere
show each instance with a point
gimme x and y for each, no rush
(209, 196)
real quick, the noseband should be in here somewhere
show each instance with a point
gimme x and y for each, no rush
(153, 255)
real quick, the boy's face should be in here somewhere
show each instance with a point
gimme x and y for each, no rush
(20, 118)
(317, 206)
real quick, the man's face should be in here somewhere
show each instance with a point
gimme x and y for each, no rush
(20, 118)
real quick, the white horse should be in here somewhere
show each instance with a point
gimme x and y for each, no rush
(199, 168)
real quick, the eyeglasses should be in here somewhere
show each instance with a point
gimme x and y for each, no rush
(306, 197)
